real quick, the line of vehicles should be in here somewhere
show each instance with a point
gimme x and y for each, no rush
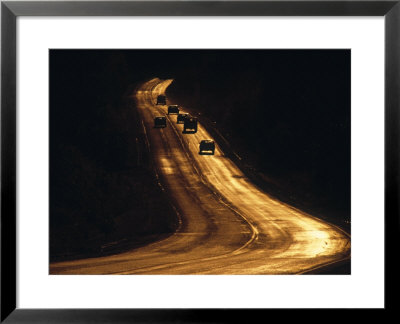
(190, 124)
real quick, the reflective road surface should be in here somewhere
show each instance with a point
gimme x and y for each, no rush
(227, 224)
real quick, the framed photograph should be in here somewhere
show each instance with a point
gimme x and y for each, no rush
(197, 161)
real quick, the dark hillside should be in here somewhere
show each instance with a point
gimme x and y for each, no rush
(286, 113)
(103, 192)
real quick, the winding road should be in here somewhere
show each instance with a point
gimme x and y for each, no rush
(227, 224)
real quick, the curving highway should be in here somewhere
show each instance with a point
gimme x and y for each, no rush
(227, 224)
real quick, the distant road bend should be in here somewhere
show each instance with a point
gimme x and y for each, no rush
(227, 224)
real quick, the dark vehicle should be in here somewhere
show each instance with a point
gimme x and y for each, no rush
(160, 122)
(173, 109)
(207, 146)
(161, 100)
(181, 118)
(190, 125)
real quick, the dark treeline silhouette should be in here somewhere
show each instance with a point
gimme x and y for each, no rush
(103, 191)
(286, 112)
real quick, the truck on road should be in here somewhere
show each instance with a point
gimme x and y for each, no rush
(161, 100)
(190, 125)
(207, 146)
(160, 122)
(181, 118)
(173, 109)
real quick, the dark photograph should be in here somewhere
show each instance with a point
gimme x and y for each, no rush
(206, 161)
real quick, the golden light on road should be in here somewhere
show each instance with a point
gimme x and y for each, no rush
(230, 225)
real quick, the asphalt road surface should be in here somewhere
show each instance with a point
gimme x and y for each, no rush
(227, 224)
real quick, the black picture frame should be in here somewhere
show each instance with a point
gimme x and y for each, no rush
(10, 10)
